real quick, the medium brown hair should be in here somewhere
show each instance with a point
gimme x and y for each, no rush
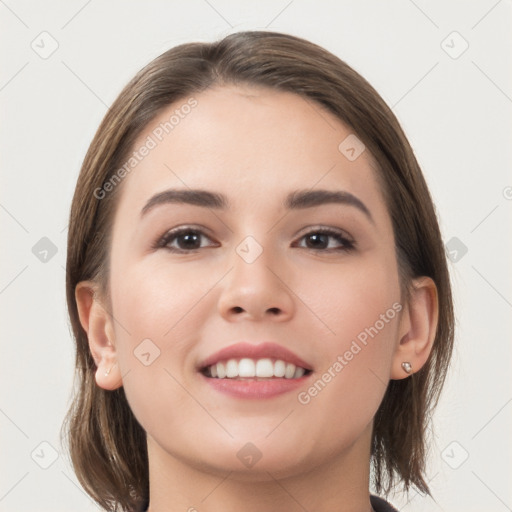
(106, 443)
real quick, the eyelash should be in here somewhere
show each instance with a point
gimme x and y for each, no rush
(163, 242)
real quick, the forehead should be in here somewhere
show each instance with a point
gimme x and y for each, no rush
(251, 143)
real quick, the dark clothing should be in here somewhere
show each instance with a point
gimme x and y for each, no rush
(378, 504)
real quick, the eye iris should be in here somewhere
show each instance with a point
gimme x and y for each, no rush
(318, 240)
(188, 240)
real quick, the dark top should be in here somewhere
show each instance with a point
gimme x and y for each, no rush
(378, 504)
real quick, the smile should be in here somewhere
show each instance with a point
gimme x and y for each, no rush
(254, 371)
(247, 368)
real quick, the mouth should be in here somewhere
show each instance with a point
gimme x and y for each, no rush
(254, 369)
(249, 371)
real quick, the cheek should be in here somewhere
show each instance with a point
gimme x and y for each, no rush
(154, 298)
(156, 319)
(350, 384)
(160, 308)
(359, 309)
(349, 298)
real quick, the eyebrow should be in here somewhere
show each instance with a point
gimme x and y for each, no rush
(297, 200)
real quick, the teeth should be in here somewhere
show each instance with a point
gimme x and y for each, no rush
(246, 368)
(264, 368)
(232, 369)
(221, 370)
(250, 368)
(279, 368)
(299, 372)
(290, 371)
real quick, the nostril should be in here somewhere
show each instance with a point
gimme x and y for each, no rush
(274, 311)
(237, 309)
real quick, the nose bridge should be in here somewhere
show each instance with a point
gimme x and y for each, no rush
(254, 289)
(251, 264)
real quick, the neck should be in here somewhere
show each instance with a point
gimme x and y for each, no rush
(339, 484)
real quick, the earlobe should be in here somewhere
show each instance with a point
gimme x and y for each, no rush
(417, 330)
(97, 323)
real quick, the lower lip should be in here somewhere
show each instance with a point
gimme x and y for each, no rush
(258, 389)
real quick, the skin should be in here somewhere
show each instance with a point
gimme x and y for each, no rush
(254, 145)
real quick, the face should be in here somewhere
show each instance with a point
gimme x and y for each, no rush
(291, 261)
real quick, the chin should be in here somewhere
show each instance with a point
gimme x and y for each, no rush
(254, 461)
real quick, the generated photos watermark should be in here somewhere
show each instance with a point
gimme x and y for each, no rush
(361, 341)
(157, 135)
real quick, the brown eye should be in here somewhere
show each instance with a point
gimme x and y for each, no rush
(326, 240)
(183, 240)
(188, 240)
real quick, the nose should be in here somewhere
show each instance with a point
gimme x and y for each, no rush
(256, 291)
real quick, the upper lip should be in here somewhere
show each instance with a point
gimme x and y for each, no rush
(249, 350)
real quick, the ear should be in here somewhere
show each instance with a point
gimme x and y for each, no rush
(417, 329)
(98, 324)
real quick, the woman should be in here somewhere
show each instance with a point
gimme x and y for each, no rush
(257, 286)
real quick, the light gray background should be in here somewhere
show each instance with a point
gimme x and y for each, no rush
(456, 110)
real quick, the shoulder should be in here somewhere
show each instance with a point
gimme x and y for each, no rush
(380, 505)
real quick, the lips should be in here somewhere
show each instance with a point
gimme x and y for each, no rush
(248, 360)
(248, 371)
